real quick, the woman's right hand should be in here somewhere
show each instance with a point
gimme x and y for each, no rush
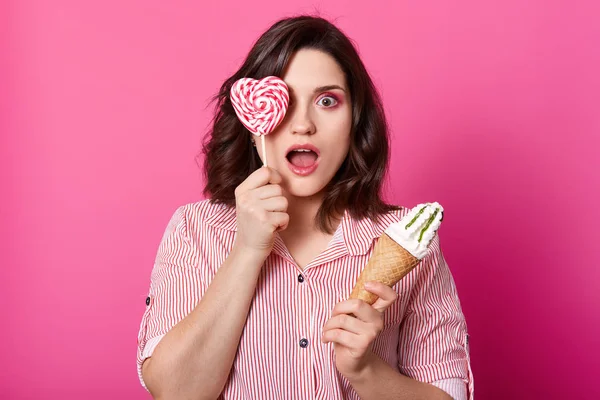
(261, 211)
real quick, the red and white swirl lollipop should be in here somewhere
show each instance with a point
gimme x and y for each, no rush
(260, 105)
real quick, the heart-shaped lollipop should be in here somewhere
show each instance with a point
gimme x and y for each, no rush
(260, 105)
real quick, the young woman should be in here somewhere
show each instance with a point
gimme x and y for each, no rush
(248, 295)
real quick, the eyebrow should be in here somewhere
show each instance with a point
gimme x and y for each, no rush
(328, 87)
(323, 88)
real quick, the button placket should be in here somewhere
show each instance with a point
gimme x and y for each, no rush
(305, 338)
(305, 312)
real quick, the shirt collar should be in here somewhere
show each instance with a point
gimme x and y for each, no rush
(358, 234)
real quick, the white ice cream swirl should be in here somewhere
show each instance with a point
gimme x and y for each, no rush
(415, 231)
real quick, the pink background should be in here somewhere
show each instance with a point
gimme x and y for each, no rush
(494, 111)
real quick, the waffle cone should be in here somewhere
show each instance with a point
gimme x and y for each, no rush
(389, 263)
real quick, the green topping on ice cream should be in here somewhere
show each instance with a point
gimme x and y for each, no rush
(417, 228)
(416, 217)
(431, 219)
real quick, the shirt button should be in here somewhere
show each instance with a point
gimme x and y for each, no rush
(303, 343)
(300, 278)
(148, 300)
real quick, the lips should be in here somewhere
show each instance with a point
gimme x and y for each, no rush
(305, 146)
(303, 159)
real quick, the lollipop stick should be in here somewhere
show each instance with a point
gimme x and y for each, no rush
(264, 149)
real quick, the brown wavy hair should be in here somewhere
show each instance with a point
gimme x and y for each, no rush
(357, 185)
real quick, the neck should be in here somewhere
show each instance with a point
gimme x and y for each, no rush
(302, 212)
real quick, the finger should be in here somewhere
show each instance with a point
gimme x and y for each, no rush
(345, 338)
(275, 204)
(358, 308)
(267, 191)
(280, 220)
(275, 176)
(387, 295)
(347, 323)
(258, 178)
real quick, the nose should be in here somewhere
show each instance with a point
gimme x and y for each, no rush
(301, 121)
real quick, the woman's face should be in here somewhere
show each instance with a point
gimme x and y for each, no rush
(311, 143)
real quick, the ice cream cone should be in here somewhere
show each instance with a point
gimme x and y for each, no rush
(399, 249)
(389, 263)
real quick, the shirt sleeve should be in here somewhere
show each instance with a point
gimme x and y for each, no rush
(455, 387)
(433, 344)
(176, 286)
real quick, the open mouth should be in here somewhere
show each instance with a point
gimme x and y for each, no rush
(303, 159)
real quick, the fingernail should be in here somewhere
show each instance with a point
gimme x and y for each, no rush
(369, 285)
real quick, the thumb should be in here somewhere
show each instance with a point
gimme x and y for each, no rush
(387, 295)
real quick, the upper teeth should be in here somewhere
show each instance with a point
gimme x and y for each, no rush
(302, 150)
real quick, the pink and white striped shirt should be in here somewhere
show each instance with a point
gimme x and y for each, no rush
(280, 355)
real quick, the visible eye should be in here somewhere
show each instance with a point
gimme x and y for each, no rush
(327, 101)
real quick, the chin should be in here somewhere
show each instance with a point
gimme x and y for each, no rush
(304, 188)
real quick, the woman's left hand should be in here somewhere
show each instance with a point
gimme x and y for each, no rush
(353, 335)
